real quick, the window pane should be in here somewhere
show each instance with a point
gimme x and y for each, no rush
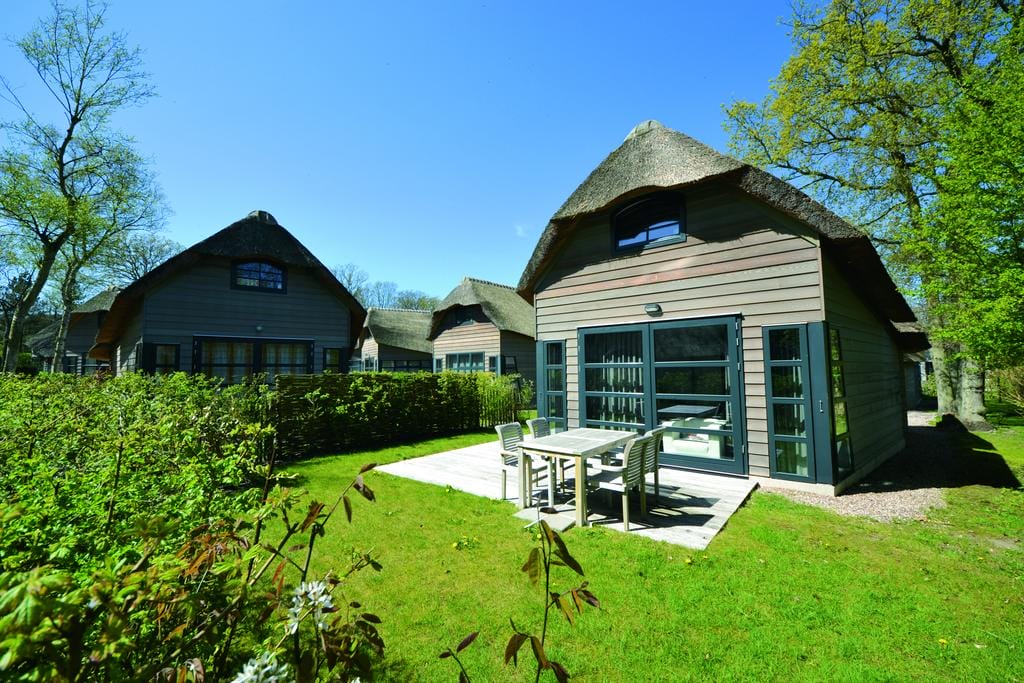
(628, 409)
(707, 342)
(554, 353)
(671, 410)
(789, 419)
(838, 388)
(166, 355)
(784, 344)
(692, 380)
(834, 346)
(787, 382)
(791, 458)
(663, 229)
(619, 380)
(556, 381)
(841, 425)
(556, 405)
(614, 347)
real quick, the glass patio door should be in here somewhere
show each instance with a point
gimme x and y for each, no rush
(681, 375)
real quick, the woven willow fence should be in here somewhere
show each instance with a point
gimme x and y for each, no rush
(319, 414)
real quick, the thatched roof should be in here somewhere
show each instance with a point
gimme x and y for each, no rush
(399, 327)
(500, 303)
(654, 157)
(41, 343)
(257, 236)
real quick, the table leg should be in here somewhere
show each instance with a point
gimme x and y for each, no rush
(581, 492)
(525, 499)
(551, 481)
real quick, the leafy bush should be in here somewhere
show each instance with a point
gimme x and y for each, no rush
(340, 413)
(146, 536)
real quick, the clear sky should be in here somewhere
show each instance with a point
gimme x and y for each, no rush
(423, 141)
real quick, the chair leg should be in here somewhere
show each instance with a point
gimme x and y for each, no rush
(643, 500)
(503, 485)
(625, 510)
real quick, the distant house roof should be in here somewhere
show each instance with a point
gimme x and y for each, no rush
(655, 157)
(258, 235)
(500, 303)
(399, 327)
(41, 343)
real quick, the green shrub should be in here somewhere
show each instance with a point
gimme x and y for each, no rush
(342, 413)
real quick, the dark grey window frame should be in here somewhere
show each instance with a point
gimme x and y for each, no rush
(257, 351)
(236, 265)
(674, 208)
(544, 391)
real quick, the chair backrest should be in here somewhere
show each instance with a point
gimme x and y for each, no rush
(657, 436)
(539, 426)
(633, 458)
(511, 437)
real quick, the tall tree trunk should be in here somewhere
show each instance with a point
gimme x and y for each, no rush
(972, 394)
(16, 330)
(947, 379)
(67, 297)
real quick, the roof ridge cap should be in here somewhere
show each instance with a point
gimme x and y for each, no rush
(488, 282)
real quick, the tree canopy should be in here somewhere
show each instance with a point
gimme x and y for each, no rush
(864, 117)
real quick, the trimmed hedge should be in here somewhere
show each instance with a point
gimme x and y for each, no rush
(336, 413)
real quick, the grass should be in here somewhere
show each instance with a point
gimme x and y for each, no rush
(786, 592)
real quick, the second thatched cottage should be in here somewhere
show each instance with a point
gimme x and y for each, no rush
(483, 326)
(679, 287)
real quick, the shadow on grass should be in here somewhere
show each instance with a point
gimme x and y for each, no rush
(945, 456)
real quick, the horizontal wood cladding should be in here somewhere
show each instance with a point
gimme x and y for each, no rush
(201, 301)
(524, 350)
(739, 258)
(469, 337)
(872, 372)
(370, 348)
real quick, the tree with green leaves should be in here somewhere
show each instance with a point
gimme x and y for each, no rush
(975, 235)
(60, 180)
(859, 118)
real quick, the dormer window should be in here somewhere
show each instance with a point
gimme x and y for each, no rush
(653, 219)
(258, 275)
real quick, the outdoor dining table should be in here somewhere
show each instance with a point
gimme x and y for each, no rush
(577, 444)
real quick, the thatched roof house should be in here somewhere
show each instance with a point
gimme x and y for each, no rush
(483, 325)
(82, 328)
(396, 340)
(249, 298)
(679, 287)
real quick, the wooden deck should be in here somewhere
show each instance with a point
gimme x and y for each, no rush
(693, 508)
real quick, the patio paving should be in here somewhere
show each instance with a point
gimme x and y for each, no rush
(694, 507)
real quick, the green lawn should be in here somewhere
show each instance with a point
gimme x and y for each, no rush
(787, 591)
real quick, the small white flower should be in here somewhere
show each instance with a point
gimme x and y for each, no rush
(263, 669)
(313, 595)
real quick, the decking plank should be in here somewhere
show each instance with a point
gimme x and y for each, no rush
(693, 508)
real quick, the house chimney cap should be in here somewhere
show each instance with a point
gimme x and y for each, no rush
(264, 216)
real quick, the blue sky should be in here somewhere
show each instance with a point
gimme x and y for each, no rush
(423, 141)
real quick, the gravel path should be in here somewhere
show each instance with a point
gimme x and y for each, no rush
(904, 487)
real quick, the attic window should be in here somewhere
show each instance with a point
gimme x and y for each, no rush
(258, 275)
(657, 218)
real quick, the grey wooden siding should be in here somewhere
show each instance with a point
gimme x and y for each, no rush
(386, 352)
(479, 335)
(125, 359)
(200, 301)
(82, 334)
(370, 348)
(739, 257)
(525, 351)
(873, 371)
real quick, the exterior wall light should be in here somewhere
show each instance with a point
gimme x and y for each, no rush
(259, 328)
(652, 309)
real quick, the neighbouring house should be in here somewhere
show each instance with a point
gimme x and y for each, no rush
(483, 326)
(682, 288)
(85, 322)
(395, 340)
(249, 299)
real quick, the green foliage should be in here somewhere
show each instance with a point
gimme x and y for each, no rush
(867, 116)
(147, 536)
(975, 236)
(341, 413)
